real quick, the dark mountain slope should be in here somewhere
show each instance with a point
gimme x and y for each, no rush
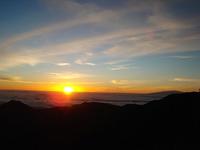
(170, 123)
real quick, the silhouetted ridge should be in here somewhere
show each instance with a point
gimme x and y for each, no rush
(186, 100)
(14, 106)
(14, 103)
(95, 106)
(170, 123)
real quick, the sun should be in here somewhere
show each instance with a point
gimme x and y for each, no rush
(68, 89)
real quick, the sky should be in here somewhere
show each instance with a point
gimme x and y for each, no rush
(100, 45)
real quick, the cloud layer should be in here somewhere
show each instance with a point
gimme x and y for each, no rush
(123, 32)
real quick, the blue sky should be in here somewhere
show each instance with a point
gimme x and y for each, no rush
(100, 45)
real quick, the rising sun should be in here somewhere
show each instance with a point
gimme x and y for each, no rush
(68, 89)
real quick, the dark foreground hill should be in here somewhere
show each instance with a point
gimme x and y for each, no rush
(168, 124)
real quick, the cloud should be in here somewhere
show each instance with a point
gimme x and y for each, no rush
(85, 59)
(124, 32)
(90, 64)
(68, 75)
(166, 33)
(63, 64)
(9, 78)
(129, 84)
(103, 15)
(31, 55)
(10, 47)
(79, 61)
(120, 82)
(82, 62)
(18, 79)
(185, 80)
(10, 59)
(154, 42)
(182, 57)
(118, 68)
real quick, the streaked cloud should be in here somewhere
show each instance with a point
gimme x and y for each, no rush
(9, 78)
(10, 59)
(182, 57)
(57, 26)
(185, 80)
(90, 64)
(63, 64)
(125, 39)
(68, 75)
(83, 62)
(85, 59)
(120, 67)
(18, 79)
(9, 46)
(120, 82)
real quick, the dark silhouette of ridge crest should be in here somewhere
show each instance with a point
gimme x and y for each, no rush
(170, 123)
(14, 105)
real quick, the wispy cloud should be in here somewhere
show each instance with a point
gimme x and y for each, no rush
(9, 78)
(185, 79)
(129, 84)
(10, 59)
(68, 75)
(120, 82)
(11, 50)
(120, 67)
(155, 32)
(67, 24)
(182, 57)
(85, 59)
(142, 42)
(18, 79)
(90, 64)
(83, 62)
(63, 64)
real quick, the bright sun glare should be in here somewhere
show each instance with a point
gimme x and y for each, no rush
(68, 90)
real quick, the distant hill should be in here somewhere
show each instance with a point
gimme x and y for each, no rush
(170, 123)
